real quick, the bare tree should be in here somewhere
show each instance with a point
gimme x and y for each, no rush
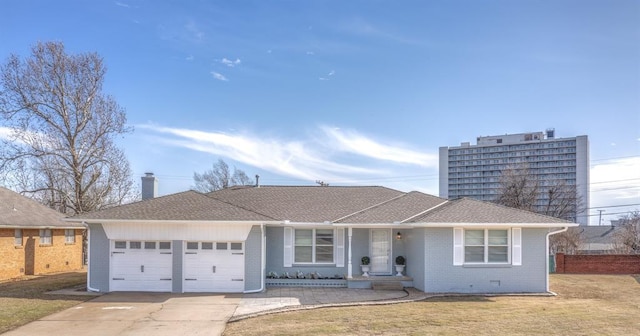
(627, 239)
(522, 190)
(220, 177)
(518, 188)
(60, 130)
(567, 242)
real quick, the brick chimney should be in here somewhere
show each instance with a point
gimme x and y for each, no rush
(149, 186)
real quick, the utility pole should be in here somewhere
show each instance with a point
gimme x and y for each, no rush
(600, 217)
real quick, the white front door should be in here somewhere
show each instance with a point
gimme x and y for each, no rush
(380, 247)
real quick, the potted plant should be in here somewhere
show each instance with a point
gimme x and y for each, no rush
(365, 266)
(400, 263)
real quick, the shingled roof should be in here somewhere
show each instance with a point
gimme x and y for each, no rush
(467, 210)
(19, 211)
(313, 204)
(395, 210)
(317, 204)
(184, 206)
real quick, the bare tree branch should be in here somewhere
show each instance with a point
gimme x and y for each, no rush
(220, 177)
(61, 147)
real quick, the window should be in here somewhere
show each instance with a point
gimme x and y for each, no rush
(313, 246)
(121, 245)
(236, 246)
(165, 245)
(486, 246)
(149, 245)
(69, 236)
(221, 246)
(45, 237)
(135, 245)
(192, 245)
(18, 237)
(207, 246)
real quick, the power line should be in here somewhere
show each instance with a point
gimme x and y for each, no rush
(614, 206)
(612, 181)
(615, 158)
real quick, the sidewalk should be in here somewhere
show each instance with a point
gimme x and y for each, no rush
(276, 299)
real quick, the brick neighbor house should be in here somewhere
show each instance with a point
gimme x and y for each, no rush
(34, 239)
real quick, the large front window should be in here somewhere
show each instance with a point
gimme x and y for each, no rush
(314, 246)
(486, 246)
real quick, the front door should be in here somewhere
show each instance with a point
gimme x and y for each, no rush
(380, 246)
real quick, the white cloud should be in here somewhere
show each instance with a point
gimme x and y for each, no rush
(189, 58)
(193, 29)
(122, 5)
(331, 73)
(219, 76)
(355, 143)
(5, 133)
(323, 79)
(299, 159)
(230, 63)
(310, 53)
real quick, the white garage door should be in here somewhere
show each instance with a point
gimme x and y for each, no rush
(214, 267)
(141, 266)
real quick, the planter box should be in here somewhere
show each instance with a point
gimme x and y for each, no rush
(306, 283)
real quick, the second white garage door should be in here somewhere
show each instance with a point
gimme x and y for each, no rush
(214, 267)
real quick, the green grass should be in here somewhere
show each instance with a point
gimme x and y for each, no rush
(24, 300)
(585, 305)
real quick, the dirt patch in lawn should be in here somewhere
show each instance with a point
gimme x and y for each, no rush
(24, 299)
(585, 305)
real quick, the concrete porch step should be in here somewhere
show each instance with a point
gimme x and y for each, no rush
(387, 285)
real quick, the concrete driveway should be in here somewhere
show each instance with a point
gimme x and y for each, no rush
(154, 314)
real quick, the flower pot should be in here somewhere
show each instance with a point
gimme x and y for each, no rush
(365, 270)
(399, 269)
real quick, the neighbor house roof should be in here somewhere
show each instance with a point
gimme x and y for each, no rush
(468, 210)
(600, 234)
(184, 206)
(18, 211)
(315, 204)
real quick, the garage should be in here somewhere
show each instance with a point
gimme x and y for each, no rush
(213, 267)
(141, 266)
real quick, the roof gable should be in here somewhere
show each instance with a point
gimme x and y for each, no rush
(467, 210)
(398, 209)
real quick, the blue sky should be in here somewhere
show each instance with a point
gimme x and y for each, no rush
(354, 92)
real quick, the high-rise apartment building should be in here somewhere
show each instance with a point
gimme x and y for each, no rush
(474, 170)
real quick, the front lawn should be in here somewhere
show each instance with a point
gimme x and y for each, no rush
(24, 300)
(585, 305)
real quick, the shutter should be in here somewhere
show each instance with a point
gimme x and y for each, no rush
(288, 247)
(340, 247)
(458, 246)
(516, 245)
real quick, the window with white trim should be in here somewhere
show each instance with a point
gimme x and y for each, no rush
(313, 246)
(18, 237)
(45, 237)
(69, 236)
(486, 246)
